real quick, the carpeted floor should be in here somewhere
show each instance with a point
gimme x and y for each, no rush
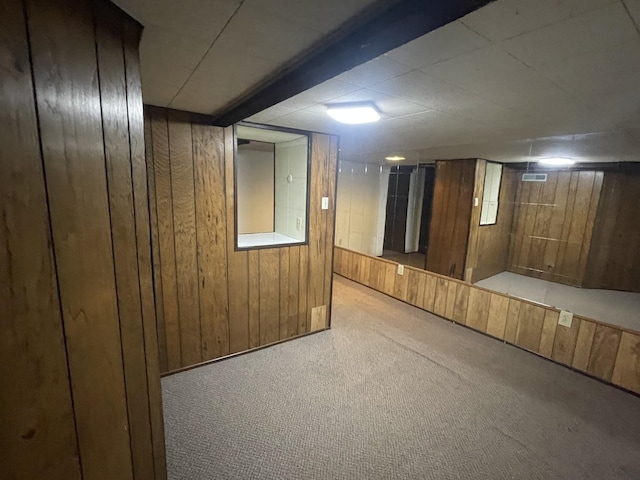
(392, 392)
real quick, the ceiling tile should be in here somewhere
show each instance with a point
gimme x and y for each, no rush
(493, 74)
(319, 94)
(324, 16)
(505, 19)
(441, 44)
(587, 33)
(196, 18)
(374, 71)
(270, 113)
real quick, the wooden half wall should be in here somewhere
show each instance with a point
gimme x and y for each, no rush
(79, 379)
(604, 351)
(212, 300)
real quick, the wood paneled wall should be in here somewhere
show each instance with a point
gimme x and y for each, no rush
(604, 351)
(488, 252)
(614, 259)
(211, 300)
(552, 226)
(79, 379)
(451, 217)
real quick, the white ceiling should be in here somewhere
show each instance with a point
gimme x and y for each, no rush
(199, 55)
(514, 80)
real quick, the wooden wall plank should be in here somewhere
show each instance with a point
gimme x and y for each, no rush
(412, 286)
(564, 344)
(530, 322)
(604, 351)
(320, 145)
(440, 301)
(115, 126)
(497, 316)
(330, 221)
(293, 291)
(549, 327)
(452, 290)
(318, 318)
(38, 435)
(421, 285)
(626, 372)
(513, 315)
(256, 336)
(242, 333)
(389, 278)
(583, 345)
(430, 288)
(283, 307)
(478, 309)
(269, 261)
(185, 235)
(68, 99)
(141, 194)
(166, 239)
(211, 241)
(400, 286)
(303, 292)
(461, 303)
(155, 243)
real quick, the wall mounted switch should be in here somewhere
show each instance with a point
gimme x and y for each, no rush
(325, 203)
(565, 319)
(400, 269)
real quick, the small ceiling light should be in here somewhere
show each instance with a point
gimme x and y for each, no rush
(556, 161)
(353, 113)
(395, 158)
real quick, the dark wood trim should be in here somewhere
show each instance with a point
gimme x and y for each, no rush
(627, 167)
(385, 26)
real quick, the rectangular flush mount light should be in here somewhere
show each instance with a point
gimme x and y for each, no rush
(353, 113)
(556, 161)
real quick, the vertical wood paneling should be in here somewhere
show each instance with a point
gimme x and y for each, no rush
(284, 293)
(131, 34)
(552, 226)
(115, 126)
(330, 220)
(303, 291)
(184, 225)
(38, 435)
(166, 239)
(478, 309)
(269, 264)
(583, 345)
(243, 333)
(497, 316)
(605, 351)
(210, 210)
(68, 100)
(530, 322)
(320, 145)
(256, 336)
(626, 372)
(293, 286)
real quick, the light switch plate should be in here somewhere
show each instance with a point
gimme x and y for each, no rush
(325, 203)
(565, 319)
(400, 269)
(476, 202)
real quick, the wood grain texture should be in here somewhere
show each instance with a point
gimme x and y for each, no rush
(218, 300)
(69, 110)
(553, 224)
(604, 351)
(497, 316)
(583, 345)
(489, 244)
(319, 318)
(211, 240)
(38, 436)
(548, 336)
(530, 322)
(564, 345)
(117, 149)
(616, 232)
(626, 372)
(451, 217)
(478, 309)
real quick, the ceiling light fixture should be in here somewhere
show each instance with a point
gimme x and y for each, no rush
(395, 158)
(353, 113)
(556, 161)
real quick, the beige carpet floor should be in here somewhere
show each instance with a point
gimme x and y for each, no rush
(392, 392)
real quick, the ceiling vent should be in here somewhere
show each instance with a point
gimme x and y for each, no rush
(534, 177)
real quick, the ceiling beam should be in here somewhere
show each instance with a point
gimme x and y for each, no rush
(388, 25)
